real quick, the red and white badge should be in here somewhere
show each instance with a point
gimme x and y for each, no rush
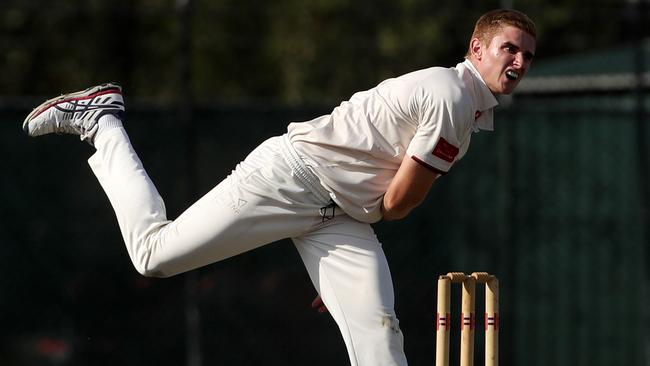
(445, 150)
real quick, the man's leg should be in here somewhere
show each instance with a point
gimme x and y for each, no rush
(241, 213)
(260, 202)
(348, 267)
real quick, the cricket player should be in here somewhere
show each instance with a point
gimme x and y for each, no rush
(321, 184)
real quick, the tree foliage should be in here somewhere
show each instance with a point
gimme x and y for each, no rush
(289, 51)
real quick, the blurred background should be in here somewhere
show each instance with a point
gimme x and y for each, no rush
(554, 202)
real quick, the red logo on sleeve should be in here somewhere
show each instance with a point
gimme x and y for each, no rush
(445, 151)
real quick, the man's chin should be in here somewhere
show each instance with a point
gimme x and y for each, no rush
(507, 89)
(501, 91)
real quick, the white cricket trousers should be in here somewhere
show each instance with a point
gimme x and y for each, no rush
(263, 200)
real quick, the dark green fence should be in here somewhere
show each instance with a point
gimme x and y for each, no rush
(550, 202)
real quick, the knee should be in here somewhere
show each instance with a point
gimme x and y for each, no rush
(146, 259)
(390, 323)
(152, 272)
(380, 343)
(149, 268)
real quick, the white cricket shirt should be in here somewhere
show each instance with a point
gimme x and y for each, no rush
(428, 114)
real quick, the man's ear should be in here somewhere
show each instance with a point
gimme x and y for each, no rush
(476, 47)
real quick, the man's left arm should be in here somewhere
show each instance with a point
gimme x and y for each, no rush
(407, 190)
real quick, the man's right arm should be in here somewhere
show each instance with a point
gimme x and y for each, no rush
(407, 190)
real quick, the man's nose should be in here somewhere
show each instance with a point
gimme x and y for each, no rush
(519, 60)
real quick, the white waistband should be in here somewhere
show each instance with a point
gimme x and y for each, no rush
(304, 175)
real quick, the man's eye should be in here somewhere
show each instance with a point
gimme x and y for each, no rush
(510, 49)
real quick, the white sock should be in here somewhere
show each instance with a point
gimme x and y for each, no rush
(107, 122)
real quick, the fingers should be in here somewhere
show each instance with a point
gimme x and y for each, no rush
(317, 302)
(318, 305)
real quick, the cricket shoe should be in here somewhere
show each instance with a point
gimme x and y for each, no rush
(75, 113)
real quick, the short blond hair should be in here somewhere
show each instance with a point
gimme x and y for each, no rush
(493, 21)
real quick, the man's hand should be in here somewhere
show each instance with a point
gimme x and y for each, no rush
(318, 305)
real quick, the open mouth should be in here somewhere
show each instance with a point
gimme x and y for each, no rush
(512, 75)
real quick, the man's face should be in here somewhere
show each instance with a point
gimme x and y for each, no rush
(505, 61)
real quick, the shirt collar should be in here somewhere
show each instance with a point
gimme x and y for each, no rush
(483, 97)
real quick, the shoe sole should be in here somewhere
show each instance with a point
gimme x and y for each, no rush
(80, 95)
